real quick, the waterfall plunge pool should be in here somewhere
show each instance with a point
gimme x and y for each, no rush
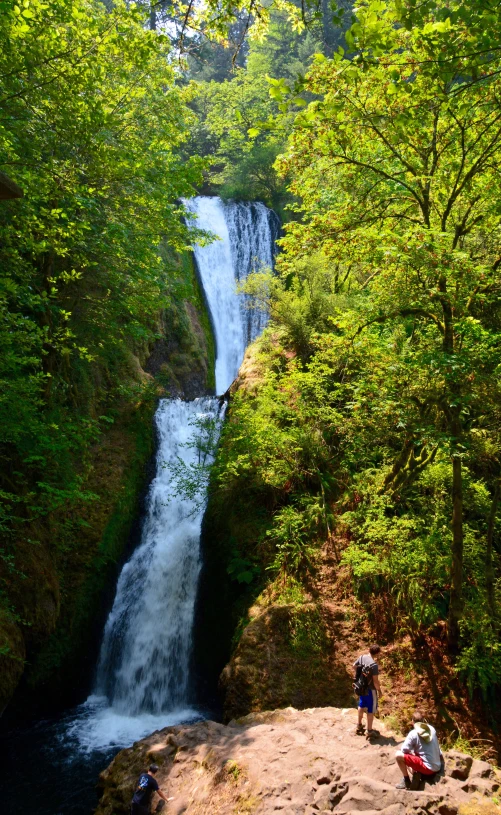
(52, 767)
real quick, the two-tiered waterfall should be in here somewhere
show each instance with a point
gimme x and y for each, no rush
(143, 673)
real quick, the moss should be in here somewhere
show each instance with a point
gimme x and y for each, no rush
(197, 298)
(183, 358)
(12, 655)
(87, 570)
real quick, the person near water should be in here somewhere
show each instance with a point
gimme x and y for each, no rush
(146, 786)
(420, 751)
(368, 701)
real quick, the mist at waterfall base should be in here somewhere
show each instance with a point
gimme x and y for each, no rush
(142, 679)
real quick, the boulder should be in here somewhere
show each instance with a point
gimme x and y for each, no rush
(480, 769)
(457, 765)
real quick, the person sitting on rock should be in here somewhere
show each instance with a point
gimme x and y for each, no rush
(367, 663)
(420, 751)
(146, 786)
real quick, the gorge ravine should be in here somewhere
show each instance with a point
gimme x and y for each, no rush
(142, 680)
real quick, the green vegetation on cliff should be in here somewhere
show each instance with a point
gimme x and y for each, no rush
(94, 278)
(372, 416)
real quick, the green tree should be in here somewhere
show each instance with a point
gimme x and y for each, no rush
(90, 126)
(238, 127)
(396, 173)
(228, 111)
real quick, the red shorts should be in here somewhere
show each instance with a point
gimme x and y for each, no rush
(417, 764)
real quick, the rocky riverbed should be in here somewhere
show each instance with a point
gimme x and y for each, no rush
(295, 763)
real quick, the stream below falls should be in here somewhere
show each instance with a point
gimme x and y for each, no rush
(143, 679)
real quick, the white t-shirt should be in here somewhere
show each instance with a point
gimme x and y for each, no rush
(428, 751)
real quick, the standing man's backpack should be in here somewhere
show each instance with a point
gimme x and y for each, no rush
(362, 679)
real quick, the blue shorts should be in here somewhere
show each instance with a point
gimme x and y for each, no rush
(369, 701)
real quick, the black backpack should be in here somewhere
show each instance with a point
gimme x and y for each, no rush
(362, 679)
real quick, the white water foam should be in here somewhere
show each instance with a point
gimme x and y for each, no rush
(98, 727)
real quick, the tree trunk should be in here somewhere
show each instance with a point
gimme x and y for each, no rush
(49, 357)
(489, 566)
(456, 598)
(454, 421)
(326, 12)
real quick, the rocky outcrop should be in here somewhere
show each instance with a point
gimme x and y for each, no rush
(293, 762)
(181, 360)
(289, 655)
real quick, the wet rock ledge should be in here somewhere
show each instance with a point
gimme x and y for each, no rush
(295, 763)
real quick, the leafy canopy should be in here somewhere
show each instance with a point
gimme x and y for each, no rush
(90, 127)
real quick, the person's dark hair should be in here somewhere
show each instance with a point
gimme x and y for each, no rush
(418, 716)
(153, 768)
(374, 650)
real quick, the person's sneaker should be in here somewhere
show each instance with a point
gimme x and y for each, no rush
(372, 734)
(360, 731)
(405, 784)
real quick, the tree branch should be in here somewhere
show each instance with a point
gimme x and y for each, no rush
(404, 312)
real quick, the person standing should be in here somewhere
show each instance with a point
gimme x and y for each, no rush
(420, 751)
(147, 785)
(367, 686)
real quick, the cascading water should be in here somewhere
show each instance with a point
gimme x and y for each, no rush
(143, 672)
(247, 235)
(145, 654)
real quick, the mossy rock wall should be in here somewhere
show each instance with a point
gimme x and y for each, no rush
(61, 584)
(87, 576)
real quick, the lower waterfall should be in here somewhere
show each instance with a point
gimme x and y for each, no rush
(146, 647)
(143, 671)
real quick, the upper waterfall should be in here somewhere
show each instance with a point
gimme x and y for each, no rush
(245, 243)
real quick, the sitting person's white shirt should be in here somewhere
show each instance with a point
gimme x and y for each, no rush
(422, 741)
(420, 751)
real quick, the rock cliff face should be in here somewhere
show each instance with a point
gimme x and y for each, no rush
(293, 762)
(268, 670)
